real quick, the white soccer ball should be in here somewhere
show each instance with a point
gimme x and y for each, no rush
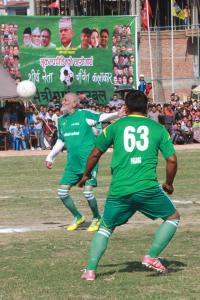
(26, 89)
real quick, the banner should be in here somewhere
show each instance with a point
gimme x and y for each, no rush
(91, 55)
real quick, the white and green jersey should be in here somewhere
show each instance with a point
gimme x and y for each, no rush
(137, 141)
(76, 132)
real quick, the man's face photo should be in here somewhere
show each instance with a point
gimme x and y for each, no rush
(15, 50)
(104, 39)
(27, 39)
(35, 39)
(66, 35)
(85, 40)
(45, 38)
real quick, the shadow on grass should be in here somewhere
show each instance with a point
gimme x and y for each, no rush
(173, 266)
(83, 226)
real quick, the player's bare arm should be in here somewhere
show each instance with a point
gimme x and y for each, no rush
(91, 163)
(171, 169)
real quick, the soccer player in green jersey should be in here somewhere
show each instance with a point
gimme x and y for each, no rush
(134, 186)
(76, 133)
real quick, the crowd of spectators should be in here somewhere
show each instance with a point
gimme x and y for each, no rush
(35, 127)
(182, 120)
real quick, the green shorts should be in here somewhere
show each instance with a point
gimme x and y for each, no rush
(153, 203)
(72, 178)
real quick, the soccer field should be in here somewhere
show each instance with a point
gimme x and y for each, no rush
(44, 262)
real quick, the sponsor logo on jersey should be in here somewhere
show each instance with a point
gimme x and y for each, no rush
(136, 160)
(72, 133)
(75, 124)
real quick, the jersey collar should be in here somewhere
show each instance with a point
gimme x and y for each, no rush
(138, 116)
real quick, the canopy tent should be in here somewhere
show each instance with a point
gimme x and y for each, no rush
(196, 90)
(7, 85)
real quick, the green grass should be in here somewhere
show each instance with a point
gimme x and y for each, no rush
(45, 263)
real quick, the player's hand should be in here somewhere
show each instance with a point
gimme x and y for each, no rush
(168, 188)
(83, 180)
(122, 112)
(49, 165)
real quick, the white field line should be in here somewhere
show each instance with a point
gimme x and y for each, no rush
(14, 229)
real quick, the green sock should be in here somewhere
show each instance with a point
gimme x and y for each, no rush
(92, 202)
(162, 237)
(98, 247)
(94, 208)
(69, 203)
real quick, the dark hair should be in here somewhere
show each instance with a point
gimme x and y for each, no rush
(27, 30)
(86, 30)
(104, 30)
(136, 101)
(47, 29)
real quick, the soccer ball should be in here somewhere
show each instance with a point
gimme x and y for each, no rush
(26, 88)
(66, 75)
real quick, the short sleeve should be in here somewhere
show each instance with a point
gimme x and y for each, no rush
(92, 115)
(105, 139)
(166, 146)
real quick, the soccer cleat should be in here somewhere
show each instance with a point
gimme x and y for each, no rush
(89, 275)
(76, 224)
(154, 263)
(94, 226)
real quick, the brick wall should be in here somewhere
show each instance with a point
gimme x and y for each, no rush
(184, 50)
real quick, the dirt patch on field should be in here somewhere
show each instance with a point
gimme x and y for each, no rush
(45, 152)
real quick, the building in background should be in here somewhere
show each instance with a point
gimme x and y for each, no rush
(14, 7)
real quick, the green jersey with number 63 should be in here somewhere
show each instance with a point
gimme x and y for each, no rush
(136, 141)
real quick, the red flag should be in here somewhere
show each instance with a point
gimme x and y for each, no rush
(144, 14)
(54, 4)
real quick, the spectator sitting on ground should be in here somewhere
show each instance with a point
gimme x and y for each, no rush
(115, 102)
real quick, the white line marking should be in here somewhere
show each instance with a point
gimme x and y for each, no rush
(14, 230)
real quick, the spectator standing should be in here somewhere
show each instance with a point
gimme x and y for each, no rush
(6, 120)
(187, 16)
(142, 84)
(55, 117)
(168, 115)
(39, 131)
(153, 114)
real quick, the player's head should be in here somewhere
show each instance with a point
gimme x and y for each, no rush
(136, 101)
(70, 103)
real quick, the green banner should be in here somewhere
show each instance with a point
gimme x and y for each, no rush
(91, 55)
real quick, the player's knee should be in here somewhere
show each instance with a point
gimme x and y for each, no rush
(105, 231)
(88, 195)
(63, 193)
(174, 222)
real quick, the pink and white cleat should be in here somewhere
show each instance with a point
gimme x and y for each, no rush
(154, 263)
(89, 275)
